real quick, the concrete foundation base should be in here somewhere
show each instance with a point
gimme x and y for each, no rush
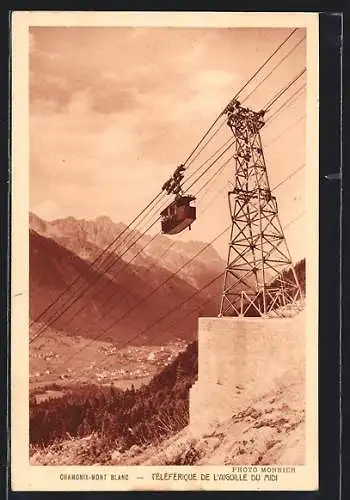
(241, 359)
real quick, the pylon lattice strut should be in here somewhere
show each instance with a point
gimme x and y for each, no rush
(259, 277)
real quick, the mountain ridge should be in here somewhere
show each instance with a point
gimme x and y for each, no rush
(54, 266)
(102, 230)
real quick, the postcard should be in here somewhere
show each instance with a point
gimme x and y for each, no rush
(164, 251)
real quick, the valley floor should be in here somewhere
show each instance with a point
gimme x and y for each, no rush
(98, 362)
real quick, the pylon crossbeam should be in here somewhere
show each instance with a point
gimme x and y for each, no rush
(239, 279)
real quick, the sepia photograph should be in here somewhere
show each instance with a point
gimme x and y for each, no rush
(165, 251)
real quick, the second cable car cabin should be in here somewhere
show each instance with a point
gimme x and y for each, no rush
(179, 215)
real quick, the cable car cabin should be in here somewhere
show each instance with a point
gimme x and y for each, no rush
(178, 215)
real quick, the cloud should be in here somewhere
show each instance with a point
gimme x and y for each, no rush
(78, 155)
(213, 79)
(109, 98)
(115, 65)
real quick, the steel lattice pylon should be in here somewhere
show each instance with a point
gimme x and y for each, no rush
(259, 277)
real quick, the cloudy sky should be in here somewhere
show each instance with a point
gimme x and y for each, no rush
(113, 111)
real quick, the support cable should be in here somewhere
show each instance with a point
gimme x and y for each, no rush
(273, 69)
(281, 92)
(291, 100)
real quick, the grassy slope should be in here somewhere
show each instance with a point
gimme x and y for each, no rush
(269, 431)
